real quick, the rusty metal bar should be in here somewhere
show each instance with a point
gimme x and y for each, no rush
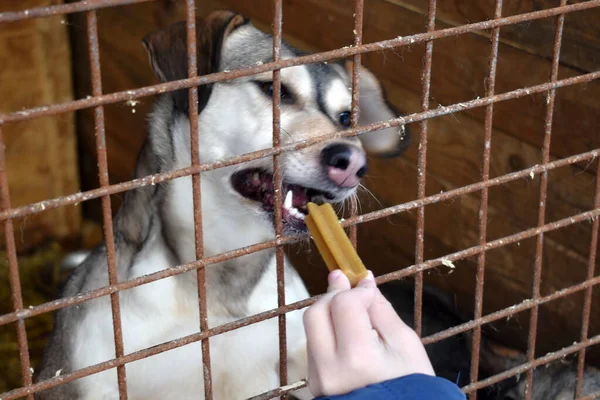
(587, 301)
(13, 271)
(471, 389)
(385, 212)
(94, 53)
(355, 106)
(106, 189)
(529, 366)
(537, 271)
(197, 193)
(283, 390)
(509, 311)
(483, 207)
(524, 305)
(278, 193)
(297, 145)
(308, 59)
(422, 166)
(63, 9)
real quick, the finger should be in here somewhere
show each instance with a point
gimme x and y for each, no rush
(314, 381)
(337, 281)
(350, 318)
(368, 282)
(397, 334)
(384, 318)
(319, 327)
(408, 346)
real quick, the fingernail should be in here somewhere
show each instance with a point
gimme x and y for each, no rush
(334, 276)
(368, 280)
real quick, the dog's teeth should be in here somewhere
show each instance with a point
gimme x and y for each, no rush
(288, 200)
(296, 213)
(255, 178)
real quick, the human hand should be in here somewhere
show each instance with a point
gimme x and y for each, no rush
(355, 339)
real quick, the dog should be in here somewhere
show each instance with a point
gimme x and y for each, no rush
(555, 380)
(154, 228)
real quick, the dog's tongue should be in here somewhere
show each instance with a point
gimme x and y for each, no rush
(300, 199)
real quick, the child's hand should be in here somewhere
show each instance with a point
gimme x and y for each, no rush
(355, 338)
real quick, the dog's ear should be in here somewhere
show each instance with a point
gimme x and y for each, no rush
(374, 108)
(167, 50)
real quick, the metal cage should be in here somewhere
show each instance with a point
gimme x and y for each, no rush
(99, 99)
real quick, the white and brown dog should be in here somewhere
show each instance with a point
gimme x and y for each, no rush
(154, 229)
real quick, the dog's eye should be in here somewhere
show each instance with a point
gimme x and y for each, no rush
(267, 88)
(345, 119)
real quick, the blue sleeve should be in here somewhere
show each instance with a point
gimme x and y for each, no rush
(410, 387)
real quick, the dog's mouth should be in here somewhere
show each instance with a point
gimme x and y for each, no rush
(257, 185)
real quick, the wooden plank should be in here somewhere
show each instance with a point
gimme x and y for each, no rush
(125, 66)
(41, 153)
(581, 38)
(455, 155)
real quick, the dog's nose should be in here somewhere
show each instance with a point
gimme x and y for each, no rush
(345, 164)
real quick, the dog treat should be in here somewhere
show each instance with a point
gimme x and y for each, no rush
(333, 243)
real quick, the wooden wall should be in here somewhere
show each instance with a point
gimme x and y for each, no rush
(455, 142)
(35, 70)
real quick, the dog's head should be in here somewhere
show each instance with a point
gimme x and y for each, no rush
(236, 116)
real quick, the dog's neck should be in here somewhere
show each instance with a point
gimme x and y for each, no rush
(226, 223)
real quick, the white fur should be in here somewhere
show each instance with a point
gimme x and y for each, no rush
(338, 98)
(244, 361)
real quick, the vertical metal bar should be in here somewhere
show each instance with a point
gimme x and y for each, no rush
(197, 192)
(422, 165)
(13, 271)
(94, 50)
(278, 195)
(355, 108)
(537, 272)
(483, 207)
(587, 301)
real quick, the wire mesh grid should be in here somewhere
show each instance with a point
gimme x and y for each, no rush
(99, 99)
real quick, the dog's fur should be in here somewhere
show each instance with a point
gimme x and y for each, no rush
(556, 380)
(154, 229)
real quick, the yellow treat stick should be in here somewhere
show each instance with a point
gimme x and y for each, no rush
(333, 243)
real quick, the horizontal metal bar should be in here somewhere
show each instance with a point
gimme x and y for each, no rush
(305, 303)
(62, 9)
(280, 391)
(294, 146)
(534, 364)
(308, 59)
(161, 348)
(61, 303)
(512, 310)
